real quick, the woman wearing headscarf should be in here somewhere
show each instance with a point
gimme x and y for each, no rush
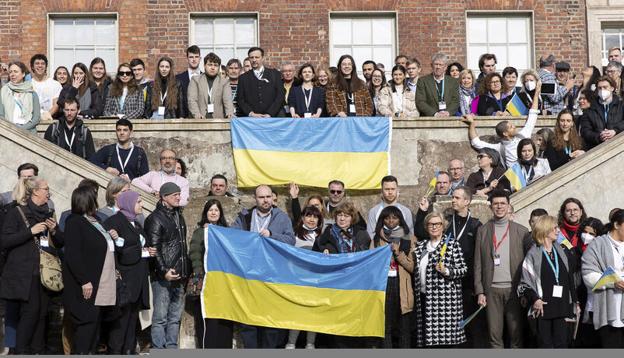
(131, 263)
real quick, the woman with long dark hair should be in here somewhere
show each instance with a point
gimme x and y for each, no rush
(566, 143)
(166, 94)
(306, 100)
(82, 87)
(376, 84)
(61, 75)
(125, 98)
(532, 167)
(347, 95)
(209, 332)
(397, 100)
(97, 72)
(391, 229)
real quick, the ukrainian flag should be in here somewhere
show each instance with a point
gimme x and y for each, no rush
(260, 281)
(516, 107)
(516, 177)
(312, 151)
(562, 240)
(609, 276)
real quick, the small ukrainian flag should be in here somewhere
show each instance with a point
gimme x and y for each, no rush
(609, 276)
(516, 107)
(516, 177)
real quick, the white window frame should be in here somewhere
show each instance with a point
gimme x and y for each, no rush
(504, 15)
(604, 50)
(85, 15)
(393, 15)
(192, 16)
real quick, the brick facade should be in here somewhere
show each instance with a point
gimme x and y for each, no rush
(295, 30)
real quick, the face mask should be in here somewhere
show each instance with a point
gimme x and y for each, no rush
(587, 238)
(604, 94)
(530, 85)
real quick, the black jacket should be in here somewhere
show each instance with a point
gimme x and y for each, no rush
(85, 252)
(102, 93)
(488, 106)
(327, 241)
(97, 103)
(467, 241)
(183, 80)
(128, 261)
(169, 112)
(107, 157)
(264, 96)
(592, 121)
(83, 143)
(166, 231)
(22, 260)
(297, 100)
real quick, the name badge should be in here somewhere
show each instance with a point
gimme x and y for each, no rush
(161, 110)
(497, 260)
(145, 253)
(307, 115)
(352, 108)
(210, 108)
(557, 291)
(442, 106)
(44, 243)
(286, 109)
(392, 273)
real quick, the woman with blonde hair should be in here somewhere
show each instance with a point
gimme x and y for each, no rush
(467, 91)
(548, 284)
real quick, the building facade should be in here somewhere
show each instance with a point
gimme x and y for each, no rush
(517, 31)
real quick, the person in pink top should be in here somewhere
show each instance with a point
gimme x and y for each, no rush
(153, 180)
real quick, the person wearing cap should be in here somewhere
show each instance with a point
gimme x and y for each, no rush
(563, 75)
(553, 103)
(166, 232)
(490, 174)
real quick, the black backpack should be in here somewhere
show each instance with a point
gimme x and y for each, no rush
(111, 151)
(82, 137)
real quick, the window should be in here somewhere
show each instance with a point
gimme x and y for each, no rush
(507, 36)
(364, 38)
(80, 39)
(611, 37)
(228, 37)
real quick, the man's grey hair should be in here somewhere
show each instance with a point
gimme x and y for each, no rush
(439, 57)
(615, 65)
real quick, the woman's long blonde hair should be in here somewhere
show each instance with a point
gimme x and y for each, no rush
(24, 189)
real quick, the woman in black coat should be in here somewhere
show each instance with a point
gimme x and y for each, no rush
(28, 226)
(84, 90)
(131, 262)
(89, 282)
(306, 100)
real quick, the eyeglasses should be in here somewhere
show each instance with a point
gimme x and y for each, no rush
(482, 156)
(335, 192)
(124, 73)
(167, 158)
(434, 225)
(493, 82)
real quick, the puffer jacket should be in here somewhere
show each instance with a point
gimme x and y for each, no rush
(166, 231)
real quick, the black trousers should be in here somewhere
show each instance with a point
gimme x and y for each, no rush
(262, 337)
(122, 335)
(552, 333)
(611, 337)
(211, 333)
(476, 330)
(397, 324)
(31, 322)
(86, 335)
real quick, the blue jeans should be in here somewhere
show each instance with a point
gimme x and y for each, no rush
(168, 307)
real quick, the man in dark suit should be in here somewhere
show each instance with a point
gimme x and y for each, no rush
(193, 58)
(261, 90)
(437, 95)
(499, 252)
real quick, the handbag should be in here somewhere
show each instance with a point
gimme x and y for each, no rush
(194, 286)
(49, 265)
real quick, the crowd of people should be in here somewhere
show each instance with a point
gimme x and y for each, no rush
(107, 259)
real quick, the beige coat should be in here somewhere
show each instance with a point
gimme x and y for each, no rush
(221, 97)
(388, 109)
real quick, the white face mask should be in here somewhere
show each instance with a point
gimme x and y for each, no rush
(604, 94)
(587, 238)
(530, 85)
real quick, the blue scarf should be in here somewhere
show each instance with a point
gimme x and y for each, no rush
(345, 244)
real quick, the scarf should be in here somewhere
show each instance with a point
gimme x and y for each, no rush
(570, 232)
(344, 238)
(126, 202)
(464, 103)
(40, 213)
(20, 94)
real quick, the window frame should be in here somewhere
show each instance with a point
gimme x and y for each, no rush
(51, 16)
(604, 51)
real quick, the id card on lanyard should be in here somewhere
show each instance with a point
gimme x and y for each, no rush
(557, 289)
(123, 164)
(497, 259)
(351, 103)
(308, 100)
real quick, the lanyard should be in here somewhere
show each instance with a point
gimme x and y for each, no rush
(499, 103)
(19, 104)
(498, 243)
(568, 150)
(265, 223)
(162, 97)
(69, 142)
(463, 228)
(440, 93)
(527, 174)
(555, 267)
(350, 96)
(123, 164)
(307, 99)
(606, 113)
(210, 88)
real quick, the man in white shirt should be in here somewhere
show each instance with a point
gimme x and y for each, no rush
(47, 89)
(153, 180)
(389, 196)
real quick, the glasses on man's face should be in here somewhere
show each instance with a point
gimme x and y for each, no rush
(335, 192)
(434, 225)
(124, 73)
(167, 158)
(456, 169)
(495, 82)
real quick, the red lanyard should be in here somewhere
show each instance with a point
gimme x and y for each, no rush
(497, 244)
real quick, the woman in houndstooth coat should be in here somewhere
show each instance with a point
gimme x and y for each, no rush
(437, 287)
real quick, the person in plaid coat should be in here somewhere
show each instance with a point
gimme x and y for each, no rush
(124, 95)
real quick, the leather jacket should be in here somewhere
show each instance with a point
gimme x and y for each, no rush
(166, 231)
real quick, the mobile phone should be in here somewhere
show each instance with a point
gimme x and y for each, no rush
(548, 88)
(50, 214)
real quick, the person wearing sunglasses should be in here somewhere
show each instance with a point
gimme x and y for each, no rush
(125, 98)
(337, 194)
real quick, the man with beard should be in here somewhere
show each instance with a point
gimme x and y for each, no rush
(152, 181)
(389, 197)
(70, 133)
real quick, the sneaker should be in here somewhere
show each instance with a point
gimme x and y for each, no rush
(290, 346)
(310, 346)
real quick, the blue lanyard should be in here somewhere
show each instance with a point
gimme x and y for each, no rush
(568, 150)
(554, 267)
(440, 93)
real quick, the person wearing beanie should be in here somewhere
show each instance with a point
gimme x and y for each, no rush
(166, 232)
(131, 256)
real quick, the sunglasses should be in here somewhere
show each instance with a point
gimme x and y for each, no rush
(335, 191)
(124, 73)
(482, 156)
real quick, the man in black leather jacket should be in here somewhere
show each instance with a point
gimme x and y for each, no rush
(166, 231)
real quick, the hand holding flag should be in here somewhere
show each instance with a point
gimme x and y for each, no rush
(432, 183)
(609, 276)
(516, 177)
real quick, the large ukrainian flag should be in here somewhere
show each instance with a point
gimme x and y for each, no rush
(312, 151)
(264, 282)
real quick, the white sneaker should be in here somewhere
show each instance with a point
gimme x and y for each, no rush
(290, 346)
(310, 346)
